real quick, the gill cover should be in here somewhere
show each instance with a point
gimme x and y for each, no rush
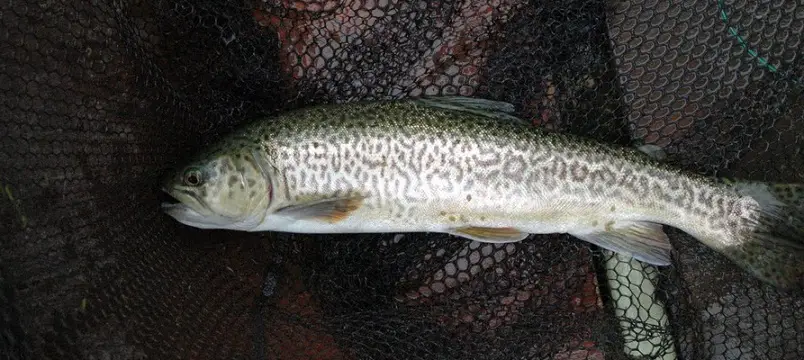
(225, 191)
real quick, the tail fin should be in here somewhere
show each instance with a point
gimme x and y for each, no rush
(772, 248)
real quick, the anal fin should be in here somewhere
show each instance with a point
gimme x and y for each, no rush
(646, 242)
(329, 210)
(489, 235)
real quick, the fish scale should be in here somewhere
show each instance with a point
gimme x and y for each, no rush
(441, 159)
(467, 167)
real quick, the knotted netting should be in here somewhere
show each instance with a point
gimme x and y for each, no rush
(99, 98)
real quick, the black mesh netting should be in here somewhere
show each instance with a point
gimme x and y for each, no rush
(99, 98)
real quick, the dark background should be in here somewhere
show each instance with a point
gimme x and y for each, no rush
(99, 98)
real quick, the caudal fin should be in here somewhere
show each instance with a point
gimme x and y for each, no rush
(772, 247)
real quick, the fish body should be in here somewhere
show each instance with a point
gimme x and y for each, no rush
(467, 167)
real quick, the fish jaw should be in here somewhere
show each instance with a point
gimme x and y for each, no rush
(189, 211)
(187, 216)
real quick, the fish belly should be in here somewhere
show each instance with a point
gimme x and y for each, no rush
(439, 174)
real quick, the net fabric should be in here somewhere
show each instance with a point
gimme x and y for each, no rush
(99, 98)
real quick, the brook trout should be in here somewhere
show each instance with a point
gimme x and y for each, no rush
(469, 168)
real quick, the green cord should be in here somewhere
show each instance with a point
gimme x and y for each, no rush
(733, 31)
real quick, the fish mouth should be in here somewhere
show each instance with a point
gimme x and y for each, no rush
(166, 199)
(175, 201)
(182, 211)
(184, 207)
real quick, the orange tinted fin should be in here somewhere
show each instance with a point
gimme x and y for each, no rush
(330, 210)
(491, 235)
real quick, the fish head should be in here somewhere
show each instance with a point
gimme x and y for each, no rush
(223, 190)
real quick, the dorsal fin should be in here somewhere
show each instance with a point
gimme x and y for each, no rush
(653, 151)
(489, 108)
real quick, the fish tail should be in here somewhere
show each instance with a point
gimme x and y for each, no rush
(770, 241)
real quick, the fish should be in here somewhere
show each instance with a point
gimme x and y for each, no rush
(470, 168)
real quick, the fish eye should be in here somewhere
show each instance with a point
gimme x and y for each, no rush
(192, 177)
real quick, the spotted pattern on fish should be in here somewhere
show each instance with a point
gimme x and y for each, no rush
(434, 155)
(415, 167)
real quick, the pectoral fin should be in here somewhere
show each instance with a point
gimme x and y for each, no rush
(330, 210)
(644, 241)
(489, 235)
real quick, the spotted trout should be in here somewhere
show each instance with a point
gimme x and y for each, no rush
(470, 168)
